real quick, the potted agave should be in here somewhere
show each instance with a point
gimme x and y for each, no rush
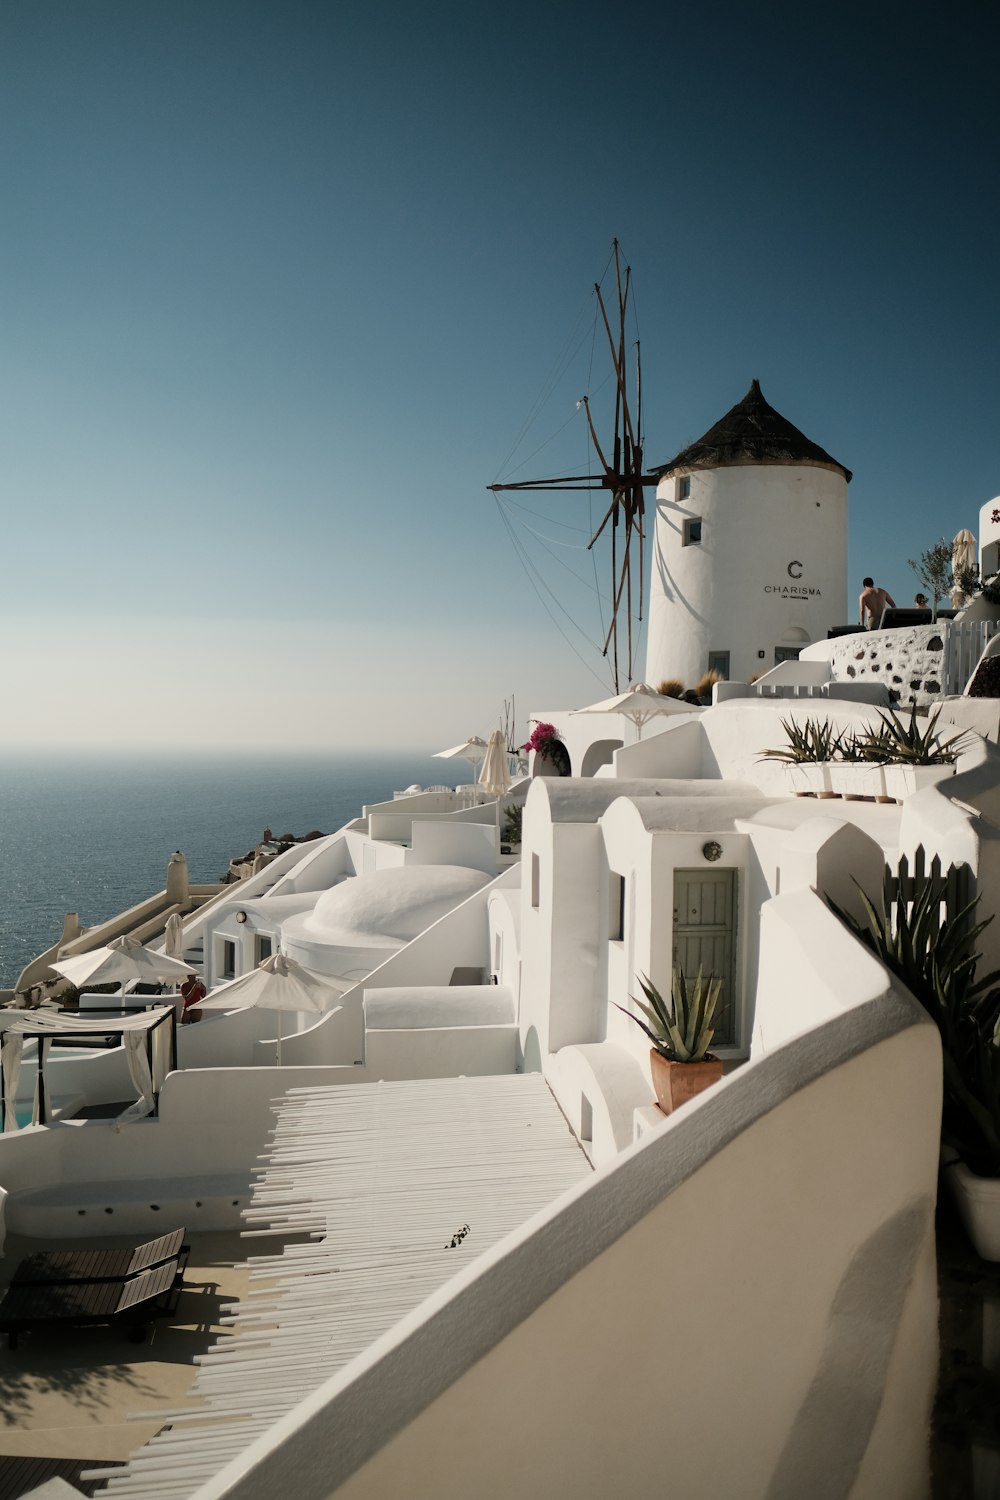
(858, 775)
(681, 1033)
(916, 754)
(811, 748)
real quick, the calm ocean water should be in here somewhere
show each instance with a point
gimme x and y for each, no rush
(92, 833)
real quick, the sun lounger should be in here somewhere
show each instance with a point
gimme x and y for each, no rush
(132, 1300)
(50, 1266)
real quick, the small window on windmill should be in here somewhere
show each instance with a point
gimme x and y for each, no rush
(684, 488)
(692, 532)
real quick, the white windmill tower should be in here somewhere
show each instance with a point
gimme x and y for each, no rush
(750, 548)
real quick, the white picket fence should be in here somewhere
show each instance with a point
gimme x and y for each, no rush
(965, 644)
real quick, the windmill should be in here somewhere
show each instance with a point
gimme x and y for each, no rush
(621, 478)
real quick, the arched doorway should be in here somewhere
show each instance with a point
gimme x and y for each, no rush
(600, 753)
(552, 761)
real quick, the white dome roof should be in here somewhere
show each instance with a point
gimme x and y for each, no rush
(389, 906)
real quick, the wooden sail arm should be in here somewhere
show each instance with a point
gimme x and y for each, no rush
(623, 578)
(593, 436)
(619, 365)
(608, 481)
(611, 511)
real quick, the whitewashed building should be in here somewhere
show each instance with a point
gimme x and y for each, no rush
(750, 548)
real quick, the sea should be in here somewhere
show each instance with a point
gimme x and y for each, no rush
(92, 833)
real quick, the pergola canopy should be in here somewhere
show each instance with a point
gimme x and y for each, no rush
(149, 1038)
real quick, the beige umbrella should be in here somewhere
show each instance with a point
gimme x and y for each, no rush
(124, 959)
(279, 983)
(473, 750)
(495, 775)
(639, 704)
(173, 938)
(963, 560)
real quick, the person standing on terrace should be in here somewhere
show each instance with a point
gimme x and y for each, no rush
(872, 602)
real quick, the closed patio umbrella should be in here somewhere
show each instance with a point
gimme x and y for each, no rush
(963, 560)
(495, 775)
(173, 938)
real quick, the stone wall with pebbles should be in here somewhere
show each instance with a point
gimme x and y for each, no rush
(909, 661)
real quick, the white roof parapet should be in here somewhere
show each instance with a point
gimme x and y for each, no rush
(357, 1165)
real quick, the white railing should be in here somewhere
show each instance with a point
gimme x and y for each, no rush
(966, 644)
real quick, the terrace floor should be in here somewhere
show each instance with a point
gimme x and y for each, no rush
(68, 1395)
(66, 1398)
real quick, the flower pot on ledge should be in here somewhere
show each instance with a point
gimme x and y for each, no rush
(902, 781)
(858, 781)
(674, 1083)
(809, 779)
(978, 1202)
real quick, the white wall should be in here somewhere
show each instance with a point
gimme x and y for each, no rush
(744, 1304)
(212, 1126)
(439, 842)
(771, 569)
(459, 938)
(559, 1000)
(812, 969)
(675, 750)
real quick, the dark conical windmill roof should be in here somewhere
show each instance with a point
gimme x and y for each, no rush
(751, 433)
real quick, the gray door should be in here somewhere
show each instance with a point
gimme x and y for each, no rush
(704, 938)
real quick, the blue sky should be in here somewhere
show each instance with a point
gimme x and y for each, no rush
(281, 283)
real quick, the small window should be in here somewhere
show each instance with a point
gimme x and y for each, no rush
(786, 653)
(692, 532)
(616, 907)
(263, 947)
(535, 879)
(684, 488)
(718, 661)
(228, 959)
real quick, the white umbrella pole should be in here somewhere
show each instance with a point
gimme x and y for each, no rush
(278, 1053)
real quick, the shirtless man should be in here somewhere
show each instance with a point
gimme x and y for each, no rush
(872, 602)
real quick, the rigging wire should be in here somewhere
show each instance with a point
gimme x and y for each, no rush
(561, 365)
(562, 563)
(528, 567)
(562, 361)
(541, 516)
(551, 439)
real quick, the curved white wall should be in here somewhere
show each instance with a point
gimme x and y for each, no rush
(770, 570)
(989, 537)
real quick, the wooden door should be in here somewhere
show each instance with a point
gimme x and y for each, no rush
(705, 938)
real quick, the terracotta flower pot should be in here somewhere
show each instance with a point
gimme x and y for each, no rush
(676, 1082)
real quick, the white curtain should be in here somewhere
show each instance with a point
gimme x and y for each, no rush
(10, 1059)
(41, 1083)
(162, 1053)
(142, 1079)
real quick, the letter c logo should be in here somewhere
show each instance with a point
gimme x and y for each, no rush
(793, 565)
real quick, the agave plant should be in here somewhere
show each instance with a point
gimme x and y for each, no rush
(913, 743)
(813, 740)
(870, 746)
(681, 1032)
(928, 940)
